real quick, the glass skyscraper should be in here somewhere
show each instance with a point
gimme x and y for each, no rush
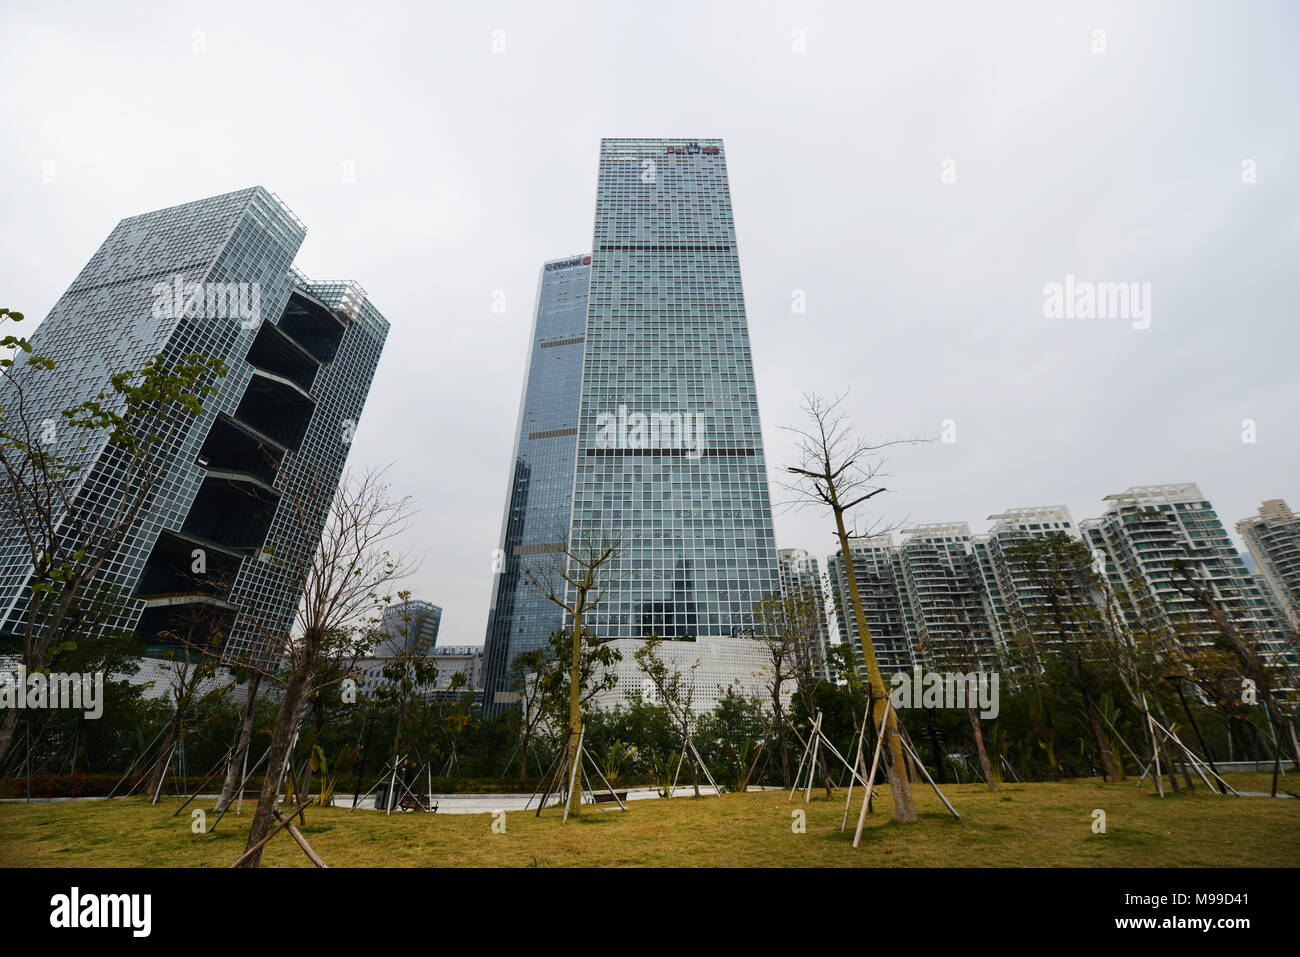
(668, 453)
(213, 277)
(408, 628)
(540, 500)
(667, 340)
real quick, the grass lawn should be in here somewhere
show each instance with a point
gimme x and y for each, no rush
(1033, 825)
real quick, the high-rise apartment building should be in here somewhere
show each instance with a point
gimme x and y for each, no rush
(945, 608)
(213, 277)
(539, 502)
(1273, 537)
(666, 453)
(1143, 531)
(801, 577)
(1014, 604)
(886, 606)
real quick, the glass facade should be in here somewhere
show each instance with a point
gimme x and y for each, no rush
(540, 497)
(670, 454)
(639, 419)
(408, 627)
(300, 359)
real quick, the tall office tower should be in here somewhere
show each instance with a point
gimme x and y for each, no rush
(540, 499)
(1142, 532)
(213, 277)
(670, 455)
(646, 385)
(949, 624)
(800, 577)
(878, 569)
(1014, 604)
(1273, 537)
(408, 627)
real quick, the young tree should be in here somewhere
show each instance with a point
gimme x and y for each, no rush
(576, 578)
(1059, 569)
(1188, 581)
(523, 682)
(195, 659)
(836, 470)
(964, 655)
(675, 691)
(791, 627)
(780, 672)
(341, 583)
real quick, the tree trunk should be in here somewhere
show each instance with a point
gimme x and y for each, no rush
(1251, 665)
(979, 746)
(163, 760)
(235, 769)
(1107, 759)
(936, 749)
(826, 774)
(523, 764)
(281, 740)
(9, 728)
(904, 809)
(780, 741)
(574, 771)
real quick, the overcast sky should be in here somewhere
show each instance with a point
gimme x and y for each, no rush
(925, 298)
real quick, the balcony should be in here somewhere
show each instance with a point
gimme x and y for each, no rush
(275, 351)
(277, 407)
(183, 563)
(313, 325)
(236, 448)
(233, 510)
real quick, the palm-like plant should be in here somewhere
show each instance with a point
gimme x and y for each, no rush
(616, 756)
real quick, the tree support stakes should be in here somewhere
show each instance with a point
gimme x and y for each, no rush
(553, 776)
(137, 761)
(920, 764)
(857, 762)
(242, 781)
(266, 840)
(871, 777)
(297, 836)
(546, 776)
(575, 761)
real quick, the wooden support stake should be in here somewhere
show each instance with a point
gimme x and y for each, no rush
(297, 836)
(871, 777)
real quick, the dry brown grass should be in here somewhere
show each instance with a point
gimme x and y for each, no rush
(1025, 825)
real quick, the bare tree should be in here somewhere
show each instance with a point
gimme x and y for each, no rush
(789, 625)
(341, 582)
(838, 471)
(198, 636)
(675, 691)
(238, 757)
(576, 577)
